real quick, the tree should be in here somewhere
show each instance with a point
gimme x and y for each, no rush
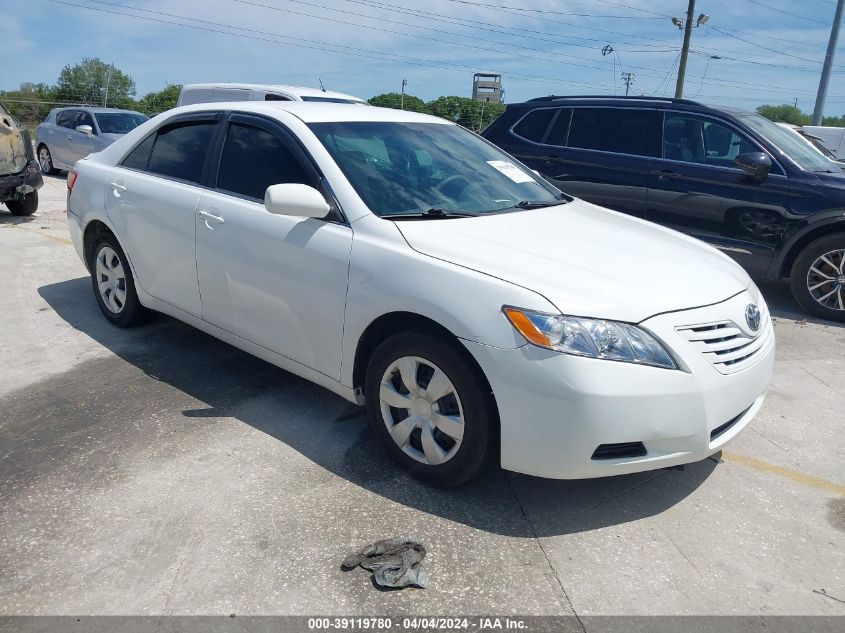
(30, 103)
(95, 82)
(467, 112)
(164, 99)
(394, 100)
(784, 114)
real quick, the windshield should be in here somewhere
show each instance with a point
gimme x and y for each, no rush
(807, 157)
(119, 122)
(411, 168)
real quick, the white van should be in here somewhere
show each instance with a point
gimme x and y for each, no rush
(833, 138)
(211, 93)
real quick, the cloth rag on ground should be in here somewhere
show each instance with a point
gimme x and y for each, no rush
(395, 562)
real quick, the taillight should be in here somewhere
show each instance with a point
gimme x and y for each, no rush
(71, 179)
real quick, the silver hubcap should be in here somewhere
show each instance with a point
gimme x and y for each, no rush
(826, 280)
(44, 160)
(111, 280)
(421, 409)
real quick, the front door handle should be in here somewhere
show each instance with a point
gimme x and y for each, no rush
(117, 189)
(207, 215)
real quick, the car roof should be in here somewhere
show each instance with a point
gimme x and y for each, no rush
(300, 91)
(633, 100)
(315, 112)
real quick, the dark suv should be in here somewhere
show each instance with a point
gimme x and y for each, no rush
(734, 179)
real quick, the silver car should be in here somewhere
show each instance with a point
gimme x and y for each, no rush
(69, 134)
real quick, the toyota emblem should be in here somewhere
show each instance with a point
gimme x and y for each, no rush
(753, 317)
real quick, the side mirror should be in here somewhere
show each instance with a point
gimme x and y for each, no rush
(757, 164)
(85, 129)
(296, 200)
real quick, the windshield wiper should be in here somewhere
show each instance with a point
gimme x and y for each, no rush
(536, 204)
(435, 213)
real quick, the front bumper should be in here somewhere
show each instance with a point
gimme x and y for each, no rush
(16, 186)
(556, 410)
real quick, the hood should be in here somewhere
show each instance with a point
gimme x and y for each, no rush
(588, 261)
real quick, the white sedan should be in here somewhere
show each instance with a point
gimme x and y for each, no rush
(407, 264)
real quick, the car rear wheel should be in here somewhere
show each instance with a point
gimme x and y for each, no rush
(27, 206)
(114, 286)
(45, 159)
(430, 407)
(818, 277)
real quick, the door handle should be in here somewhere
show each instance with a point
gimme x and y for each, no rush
(206, 216)
(665, 173)
(117, 189)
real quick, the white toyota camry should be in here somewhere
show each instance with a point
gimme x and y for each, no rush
(407, 264)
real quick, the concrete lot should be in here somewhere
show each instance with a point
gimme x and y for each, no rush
(159, 471)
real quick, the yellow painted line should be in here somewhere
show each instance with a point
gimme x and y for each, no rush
(780, 471)
(55, 238)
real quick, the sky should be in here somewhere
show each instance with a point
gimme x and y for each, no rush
(749, 52)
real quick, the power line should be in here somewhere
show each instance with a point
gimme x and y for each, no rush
(793, 15)
(310, 43)
(548, 12)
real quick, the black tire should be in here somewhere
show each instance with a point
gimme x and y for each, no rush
(800, 281)
(476, 401)
(27, 206)
(131, 312)
(51, 170)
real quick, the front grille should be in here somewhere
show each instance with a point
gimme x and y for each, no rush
(719, 430)
(620, 451)
(726, 345)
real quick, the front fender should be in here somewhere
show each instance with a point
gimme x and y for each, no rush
(386, 275)
(796, 237)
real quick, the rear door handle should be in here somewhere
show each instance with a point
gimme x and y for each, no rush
(117, 189)
(207, 215)
(665, 173)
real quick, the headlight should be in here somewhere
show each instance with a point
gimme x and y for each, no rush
(594, 338)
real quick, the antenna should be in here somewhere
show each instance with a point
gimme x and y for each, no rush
(322, 87)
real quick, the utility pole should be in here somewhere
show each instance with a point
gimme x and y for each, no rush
(108, 81)
(828, 63)
(682, 67)
(402, 98)
(628, 78)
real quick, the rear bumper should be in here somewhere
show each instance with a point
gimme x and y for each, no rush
(16, 186)
(568, 417)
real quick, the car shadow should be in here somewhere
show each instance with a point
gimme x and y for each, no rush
(6, 217)
(334, 434)
(782, 304)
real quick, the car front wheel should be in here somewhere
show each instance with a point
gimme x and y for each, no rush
(818, 277)
(431, 407)
(114, 286)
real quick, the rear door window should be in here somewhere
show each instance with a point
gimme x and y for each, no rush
(618, 130)
(138, 157)
(533, 126)
(180, 149)
(66, 118)
(253, 159)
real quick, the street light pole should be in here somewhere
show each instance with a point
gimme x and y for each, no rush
(402, 98)
(682, 67)
(828, 63)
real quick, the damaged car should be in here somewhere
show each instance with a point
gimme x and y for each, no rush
(20, 177)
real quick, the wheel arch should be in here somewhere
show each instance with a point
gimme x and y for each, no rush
(391, 323)
(783, 265)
